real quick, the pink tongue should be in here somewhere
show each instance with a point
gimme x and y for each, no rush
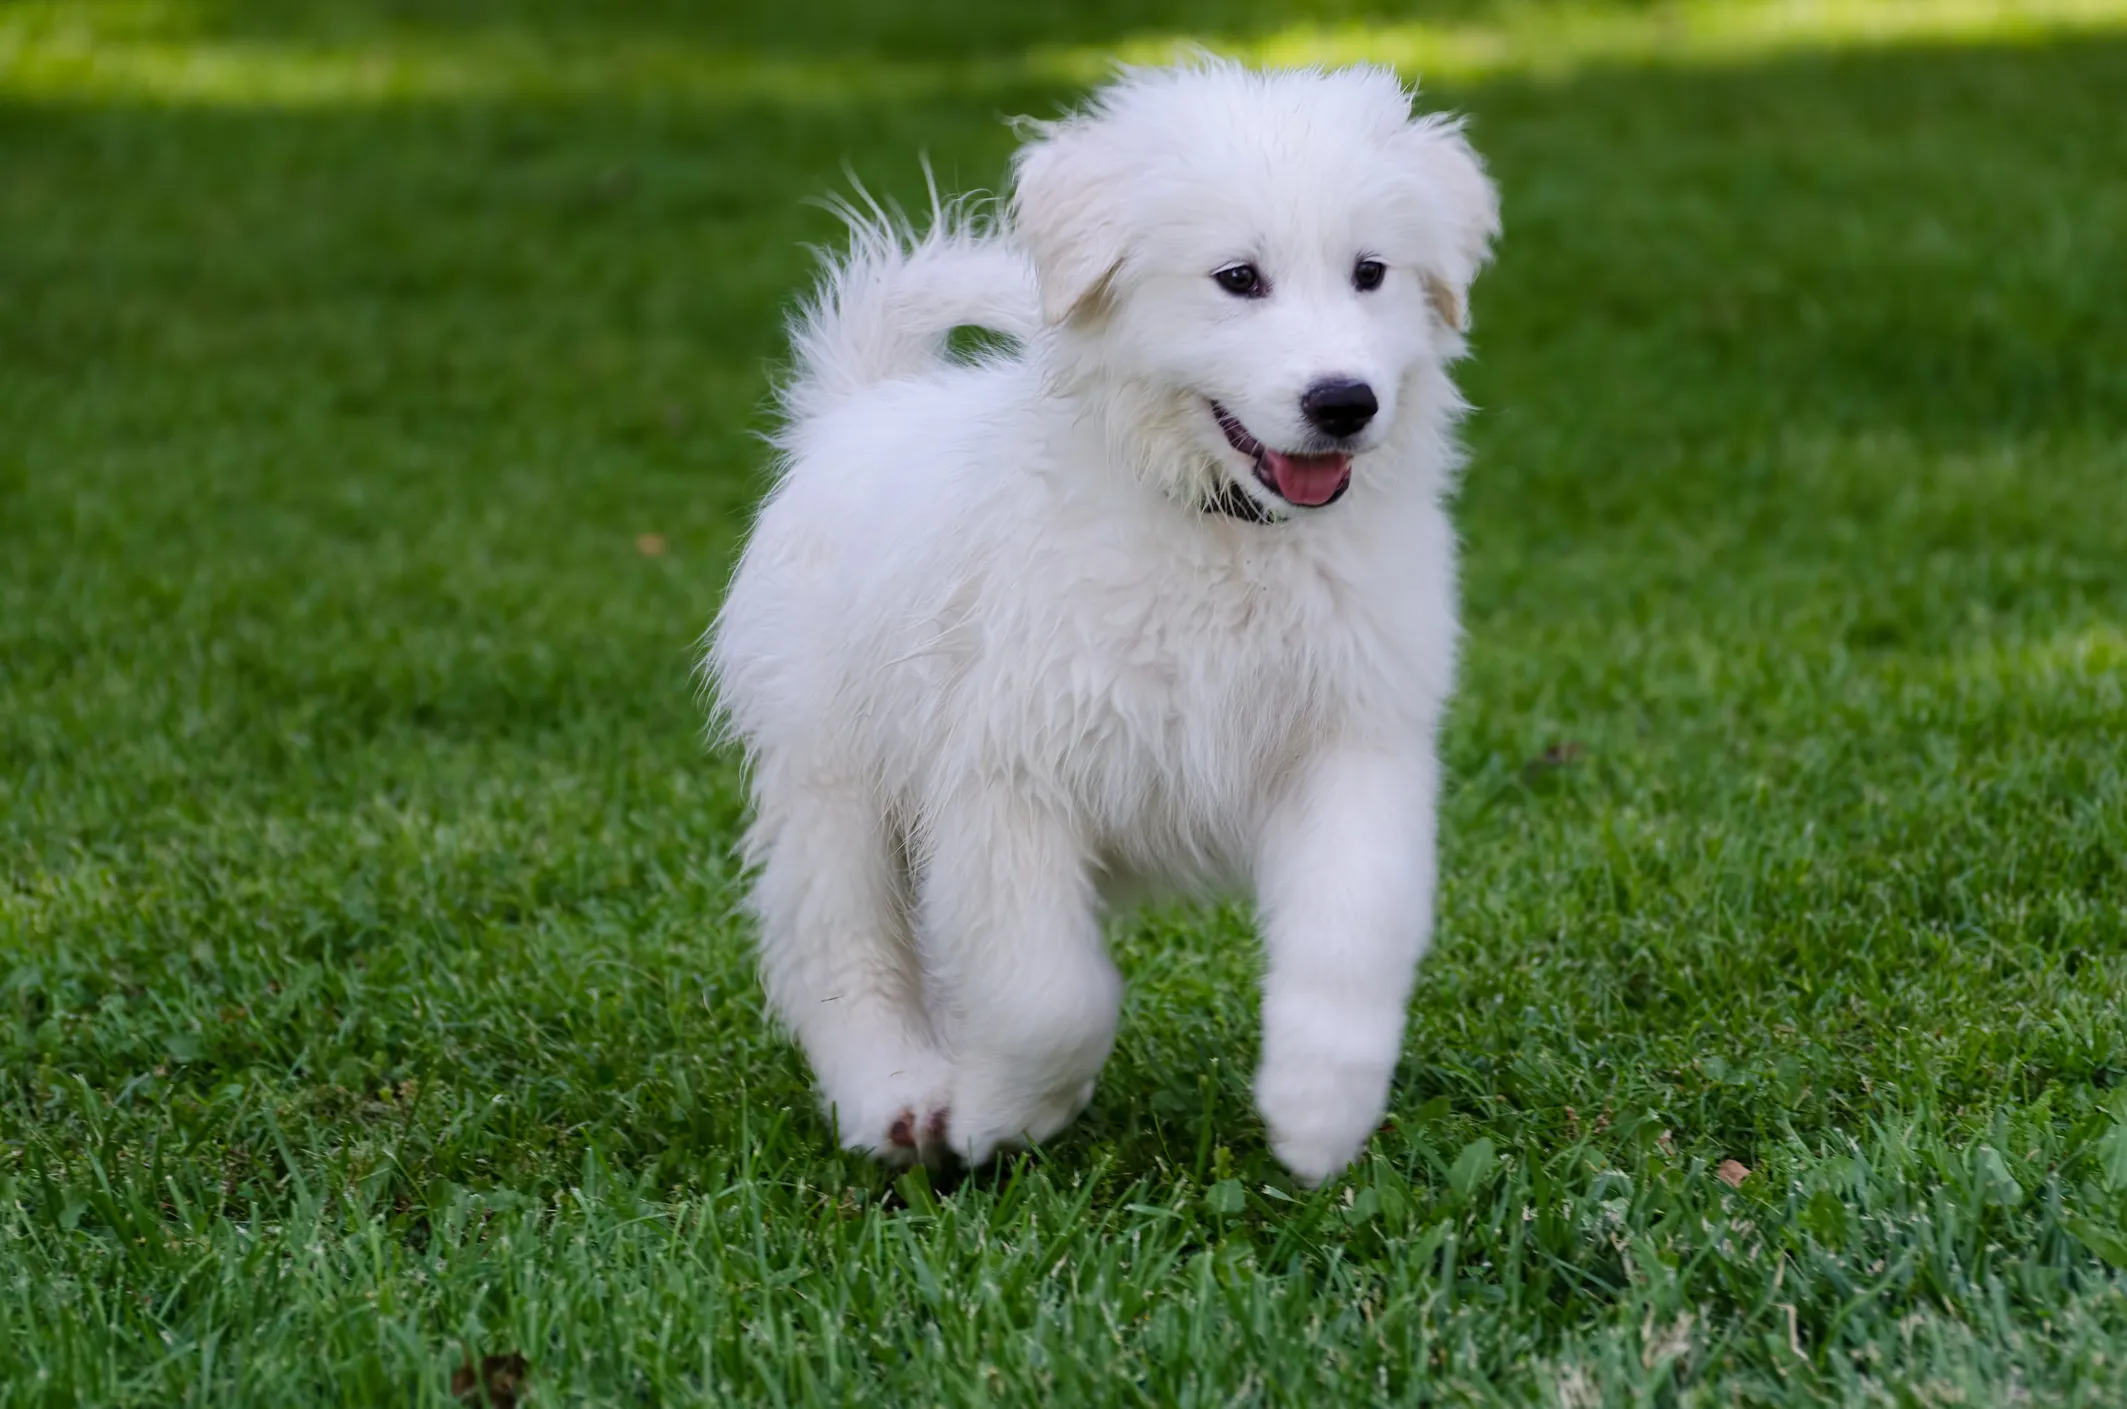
(1309, 480)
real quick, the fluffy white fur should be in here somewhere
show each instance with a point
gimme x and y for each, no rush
(996, 666)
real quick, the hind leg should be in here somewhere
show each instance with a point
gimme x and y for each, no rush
(1026, 995)
(841, 969)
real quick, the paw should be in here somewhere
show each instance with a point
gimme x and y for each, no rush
(1320, 1114)
(900, 1114)
(918, 1134)
(991, 1114)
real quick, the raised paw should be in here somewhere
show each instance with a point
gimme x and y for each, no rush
(1320, 1114)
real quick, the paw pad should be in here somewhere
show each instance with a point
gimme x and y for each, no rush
(919, 1139)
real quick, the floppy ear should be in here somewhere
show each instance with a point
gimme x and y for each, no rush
(1066, 210)
(1464, 202)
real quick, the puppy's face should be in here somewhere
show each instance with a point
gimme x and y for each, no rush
(1270, 262)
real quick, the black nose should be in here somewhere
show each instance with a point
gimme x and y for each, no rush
(1340, 408)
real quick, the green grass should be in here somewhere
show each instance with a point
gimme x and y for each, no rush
(370, 990)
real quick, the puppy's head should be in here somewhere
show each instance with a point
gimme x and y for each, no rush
(1264, 272)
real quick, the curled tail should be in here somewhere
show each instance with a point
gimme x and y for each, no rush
(883, 310)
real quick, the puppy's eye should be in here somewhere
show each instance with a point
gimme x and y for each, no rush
(1242, 281)
(1367, 275)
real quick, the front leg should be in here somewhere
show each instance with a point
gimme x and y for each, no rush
(1344, 889)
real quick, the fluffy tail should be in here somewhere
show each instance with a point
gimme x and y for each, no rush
(884, 309)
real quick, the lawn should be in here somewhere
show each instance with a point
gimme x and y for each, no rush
(380, 390)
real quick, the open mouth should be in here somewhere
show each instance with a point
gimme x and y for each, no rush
(1309, 481)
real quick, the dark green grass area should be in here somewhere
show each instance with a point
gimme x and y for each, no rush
(371, 994)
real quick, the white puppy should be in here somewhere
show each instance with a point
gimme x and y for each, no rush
(1164, 595)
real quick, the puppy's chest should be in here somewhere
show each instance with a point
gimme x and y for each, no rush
(1174, 677)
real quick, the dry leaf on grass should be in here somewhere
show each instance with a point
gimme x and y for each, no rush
(1557, 756)
(496, 1383)
(1732, 1172)
(650, 545)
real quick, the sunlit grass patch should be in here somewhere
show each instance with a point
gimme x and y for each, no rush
(1559, 38)
(163, 51)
